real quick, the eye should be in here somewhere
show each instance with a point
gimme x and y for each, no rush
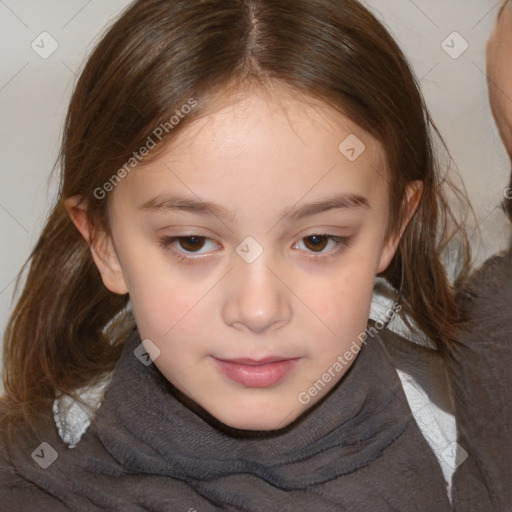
(187, 249)
(317, 244)
(182, 246)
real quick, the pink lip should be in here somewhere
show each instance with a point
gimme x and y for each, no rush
(256, 373)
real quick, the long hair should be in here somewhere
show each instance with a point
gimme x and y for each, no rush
(67, 328)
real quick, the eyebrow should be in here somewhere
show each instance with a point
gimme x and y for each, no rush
(195, 206)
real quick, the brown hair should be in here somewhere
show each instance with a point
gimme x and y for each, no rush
(67, 329)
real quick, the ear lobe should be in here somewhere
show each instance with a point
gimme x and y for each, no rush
(413, 193)
(101, 246)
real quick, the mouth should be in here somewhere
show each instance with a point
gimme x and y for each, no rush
(253, 373)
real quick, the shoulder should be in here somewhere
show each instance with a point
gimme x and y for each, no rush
(73, 417)
(423, 365)
(74, 414)
(20, 458)
(412, 354)
(486, 296)
(481, 361)
(481, 378)
(422, 373)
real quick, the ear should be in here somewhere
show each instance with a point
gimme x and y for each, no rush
(101, 246)
(413, 193)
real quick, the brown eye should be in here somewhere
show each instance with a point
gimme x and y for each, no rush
(189, 249)
(191, 243)
(316, 243)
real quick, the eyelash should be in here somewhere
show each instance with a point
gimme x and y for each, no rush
(341, 243)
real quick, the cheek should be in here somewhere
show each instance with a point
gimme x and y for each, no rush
(342, 301)
(165, 313)
(161, 300)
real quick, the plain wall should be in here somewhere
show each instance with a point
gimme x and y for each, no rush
(34, 93)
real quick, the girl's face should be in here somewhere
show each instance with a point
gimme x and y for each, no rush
(249, 250)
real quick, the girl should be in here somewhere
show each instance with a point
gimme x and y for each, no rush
(235, 175)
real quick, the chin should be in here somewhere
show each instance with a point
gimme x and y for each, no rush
(259, 421)
(243, 413)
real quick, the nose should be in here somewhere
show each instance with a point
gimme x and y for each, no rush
(257, 300)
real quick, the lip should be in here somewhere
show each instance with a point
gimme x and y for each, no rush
(261, 373)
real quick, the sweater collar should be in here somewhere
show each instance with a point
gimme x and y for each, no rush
(162, 435)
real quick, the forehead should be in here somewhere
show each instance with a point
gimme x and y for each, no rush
(234, 111)
(264, 124)
(280, 148)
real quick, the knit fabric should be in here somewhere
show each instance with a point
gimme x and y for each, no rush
(358, 449)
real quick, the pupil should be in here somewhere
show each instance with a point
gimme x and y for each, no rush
(317, 242)
(191, 243)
